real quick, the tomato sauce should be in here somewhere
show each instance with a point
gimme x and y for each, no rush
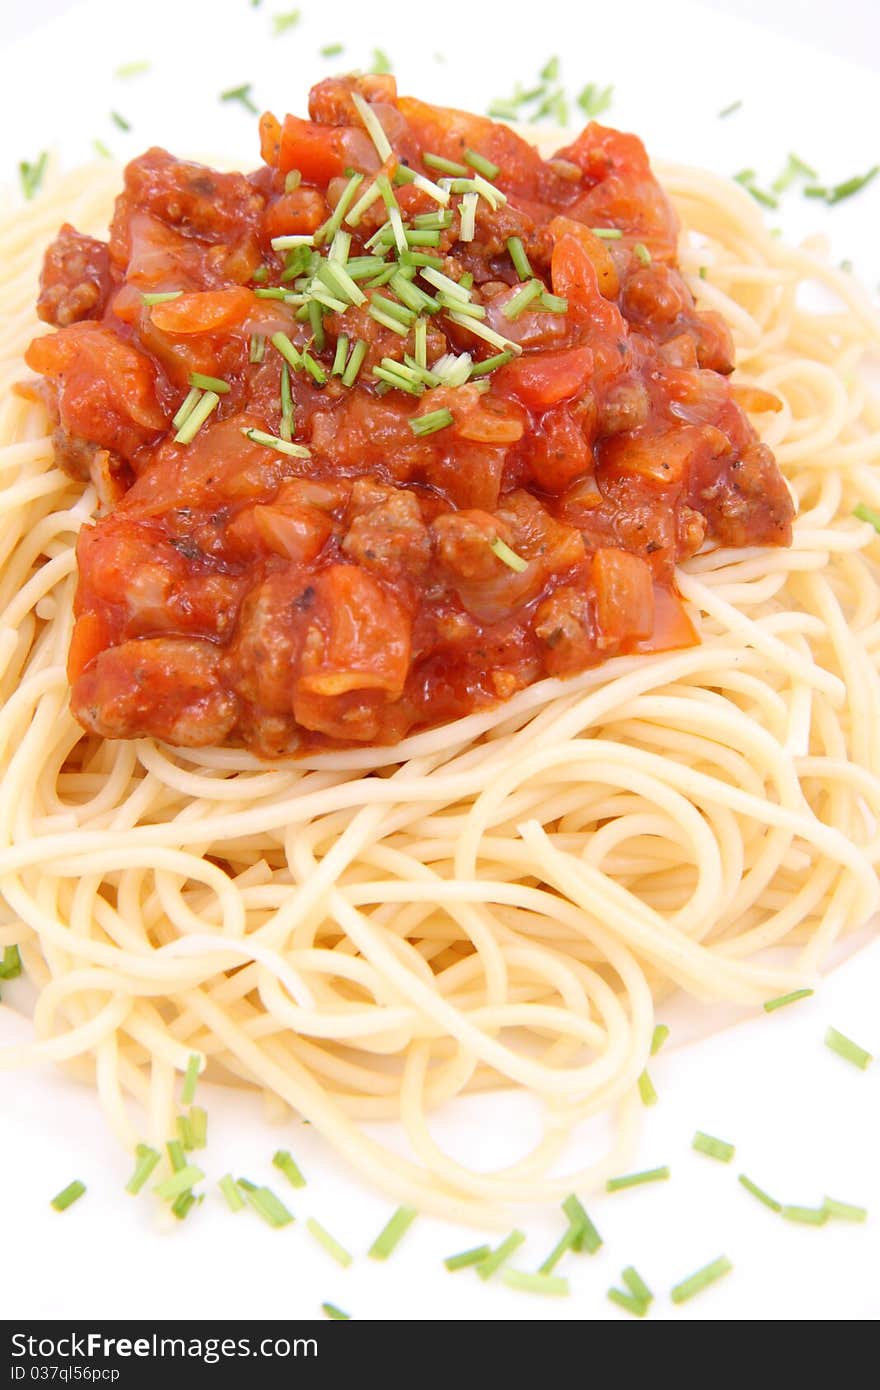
(361, 575)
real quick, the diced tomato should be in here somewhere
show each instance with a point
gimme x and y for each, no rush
(624, 595)
(210, 311)
(544, 379)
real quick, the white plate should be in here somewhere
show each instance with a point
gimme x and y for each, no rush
(804, 1122)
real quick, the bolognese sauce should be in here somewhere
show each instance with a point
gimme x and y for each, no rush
(387, 430)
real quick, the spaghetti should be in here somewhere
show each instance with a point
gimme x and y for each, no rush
(366, 935)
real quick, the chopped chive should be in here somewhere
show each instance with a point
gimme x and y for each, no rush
(759, 1192)
(417, 259)
(520, 259)
(282, 22)
(661, 1033)
(364, 267)
(331, 50)
(815, 190)
(328, 229)
(637, 1306)
(271, 441)
(729, 110)
(607, 233)
(197, 417)
(119, 121)
(292, 180)
(712, 1147)
(176, 1155)
(851, 186)
(642, 253)
(316, 322)
(333, 1248)
(392, 1233)
(184, 1205)
(481, 330)
(283, 1161)
(420, 340)
(184, 1129)
(746, 177)
(229, 1187)
(593, 100)
(258, 347)
(274, 292)
(386, 320)
(266, 1204)
(847, 1049)
(552, 304)
(467, 1257)
(636, 1179)
(209, 383)
(507, 556)
(282, 343)
(806, 1216)
(461, 306)
(161, 297)
(466, 281)
(31, 175)
(285, 429)
(241, 94)
(704, 271)
(101, 149)
(430, 423)
(433, 221)
(468, 210)
(69, 1195)
(394, 378)
(180, 1181)
(551, 1284)
(198, 1126)
(373, 126)
(10, 965)
(147, 1161)
(522, 299)
(446, 166)
(482, 165)
(493, 1261)
(314, 369)
(380, 62)
(843, 1211)
(795, 168)
(646, 1089)
(340, 355)
(355, 362)
(770, 1005)
(446, 284)
(132, 69)
(334, 1313)
(701, 1279)
(587, 1237)
(566, 1242)
(490, 364)
(636, 1284)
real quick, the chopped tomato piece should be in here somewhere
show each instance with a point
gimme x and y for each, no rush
(206, 312)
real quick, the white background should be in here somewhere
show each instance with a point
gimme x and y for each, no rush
(804, 1122)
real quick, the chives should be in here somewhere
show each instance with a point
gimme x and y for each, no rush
(392, 1233)
(176, 1156)
(242, 94)
(661, 1033)
(392, 308)
(10, 966)
(132, 69)
(636, 1179)
(850, 186)
(316, 323)
(468, 211)
(381, 62)
(181, 1181)
(535, 1283)
(553, 304)
(843, 1211)
(31, 175)
(642, 253)
(713, 1148)
(270, 441)
(184, 1129)
(729, 110)
(780, 1002)
(420, 258)
(184, 1204)
(486, 1268)
(467, 1257)
(336, 1314)
(482, 165)
(355, 362)
(701, 1279)
(336, 272)
(636, 1284)
(282, 22)
(333, 1248)
(758, 1192)
(394, 378)
(627, 1302)
(565, 1242)
(285, 429)
(646, 1089)
(120, 121)
(328, 230)
(607, 233)
(847, 1049)
(340, 355)
(520, 259)
(68, 1196)
(433, 221)
(331, 50)
(258, 347)
(261, 274)
(198, 1124)
(187, 406)
(806, 1216)
(103, 150)
(276, 292)
(209, 383)
(481, 330)
(507, 556)
(230, 1189)
(446, 284)
(287, 350)
(290, 243)
(283, 1161)
(193, 1067)
(363, 267)
(387, 321)
(587, 1237)
(315, 371)
(446, 166)
(197, 417)
(793, 169)
(147, 1161)
(373, 126)
(489, 364)
(865, 514)
(267, 1205)
(420, 338)
(432, 422)
(593, 100)
(162, 297)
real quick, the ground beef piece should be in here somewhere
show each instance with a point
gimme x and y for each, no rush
(75, 280)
